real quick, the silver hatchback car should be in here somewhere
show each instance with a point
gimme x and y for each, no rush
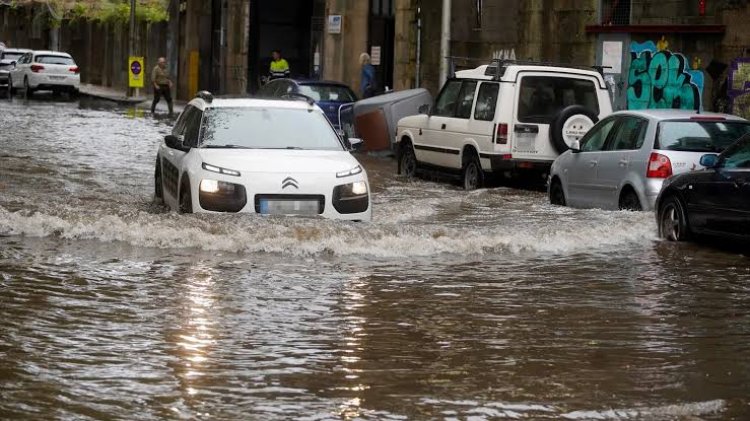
(623, 160)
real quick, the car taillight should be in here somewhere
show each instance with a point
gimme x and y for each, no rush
(75, 69)
(659, 166)
(501, 135)
(36, 68)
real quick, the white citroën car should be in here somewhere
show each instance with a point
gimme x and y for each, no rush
(260, 156)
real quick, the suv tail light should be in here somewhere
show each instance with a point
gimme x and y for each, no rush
(75, 69)
(501, 135)
(659, 166)
(36, 68)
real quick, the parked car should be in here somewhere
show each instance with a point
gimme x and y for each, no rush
(623, 161)
(502, 118)
(8, 58)
(260, 156)
(329, 96)
(45, 70)
(714, 201)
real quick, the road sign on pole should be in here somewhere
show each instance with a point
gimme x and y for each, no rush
(135, 72)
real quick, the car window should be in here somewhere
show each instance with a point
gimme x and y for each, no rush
(282, 88)
(11, 56)
(192, 127)
(466, 99)
(699, 135)
(328, 93)
(268, 128)
(446, 103)
(486, 101)
(179, 127)
(541, 98)
(48, 59)
(738, 156)
(594, 140)
(629, 134)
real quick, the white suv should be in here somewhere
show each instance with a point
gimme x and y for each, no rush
(504, 118)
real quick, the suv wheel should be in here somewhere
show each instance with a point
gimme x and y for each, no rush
(673, 223)
(569, 125)
(629, 201)
(556, 193)
(408, 161)
(472, 173)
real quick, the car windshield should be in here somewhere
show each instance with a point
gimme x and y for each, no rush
(11, 56)
(328, 93)
(700, 136)
(65, 61)
(267, 128)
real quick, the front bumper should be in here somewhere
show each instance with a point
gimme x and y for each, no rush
(252, 190)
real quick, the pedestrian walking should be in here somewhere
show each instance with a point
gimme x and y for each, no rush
(162, 85)
(279, 67)
(367, 84)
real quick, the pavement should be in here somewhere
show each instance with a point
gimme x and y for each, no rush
(118, 96)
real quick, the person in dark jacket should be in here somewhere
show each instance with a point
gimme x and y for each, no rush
(367, 84)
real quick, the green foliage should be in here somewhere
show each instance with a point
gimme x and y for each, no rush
(105, 11)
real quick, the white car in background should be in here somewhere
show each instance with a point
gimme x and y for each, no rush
(622, 162)
(8, 57)
(260, 156)
(45, 71)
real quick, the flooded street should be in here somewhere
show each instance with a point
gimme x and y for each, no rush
(448, 305)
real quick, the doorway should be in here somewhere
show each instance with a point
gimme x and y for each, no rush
(382, 27)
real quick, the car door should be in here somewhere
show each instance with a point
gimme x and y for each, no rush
(187, 127)
(16, 72)
(582, 183)
(614, 162)
(721, 202)
(431, 148)
(482, 124)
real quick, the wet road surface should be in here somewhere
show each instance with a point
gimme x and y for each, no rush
(449, 305)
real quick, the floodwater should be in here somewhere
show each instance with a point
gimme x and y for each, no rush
(449, 305)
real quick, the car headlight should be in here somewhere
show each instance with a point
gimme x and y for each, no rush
(219, 170)
(358, 188)
(215, 186)
(344, 191)
(348, 173)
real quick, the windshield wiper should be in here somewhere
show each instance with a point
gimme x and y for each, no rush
(226, 147)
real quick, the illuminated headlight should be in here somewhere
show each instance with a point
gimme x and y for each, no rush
(354, 171)
(359, 188)
(209, 186)
(219, 170)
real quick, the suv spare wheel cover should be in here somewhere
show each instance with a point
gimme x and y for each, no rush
(570, 125)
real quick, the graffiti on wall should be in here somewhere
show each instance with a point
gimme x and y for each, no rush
(739, 87)
(659, 78)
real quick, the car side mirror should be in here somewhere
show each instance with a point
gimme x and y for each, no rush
(710, 160)
(424, 109)
(174, 141)
(355, 143)
(575, 146)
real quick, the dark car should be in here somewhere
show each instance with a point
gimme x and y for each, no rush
(713, 202)
(329, 96)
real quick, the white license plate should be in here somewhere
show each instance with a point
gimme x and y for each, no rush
(289, 207)
(57, 77)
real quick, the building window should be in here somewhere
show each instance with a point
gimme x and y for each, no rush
(615, 12)
(385, 8)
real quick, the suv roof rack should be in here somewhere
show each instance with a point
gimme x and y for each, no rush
(497, 66)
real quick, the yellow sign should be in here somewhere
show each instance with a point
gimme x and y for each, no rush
(136, 72)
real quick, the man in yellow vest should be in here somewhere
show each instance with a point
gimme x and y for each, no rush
(279, 66)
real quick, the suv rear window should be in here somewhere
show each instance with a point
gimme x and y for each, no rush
(542, 97)
(699, 136)
(65, 61)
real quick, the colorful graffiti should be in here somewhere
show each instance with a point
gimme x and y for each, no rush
(659, 78)
(739, 87)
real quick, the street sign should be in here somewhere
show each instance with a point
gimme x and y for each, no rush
(135, 72)
(335, 22)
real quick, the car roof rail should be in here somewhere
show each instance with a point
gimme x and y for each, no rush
(497, 67)
(298, 96)
(206, 96)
